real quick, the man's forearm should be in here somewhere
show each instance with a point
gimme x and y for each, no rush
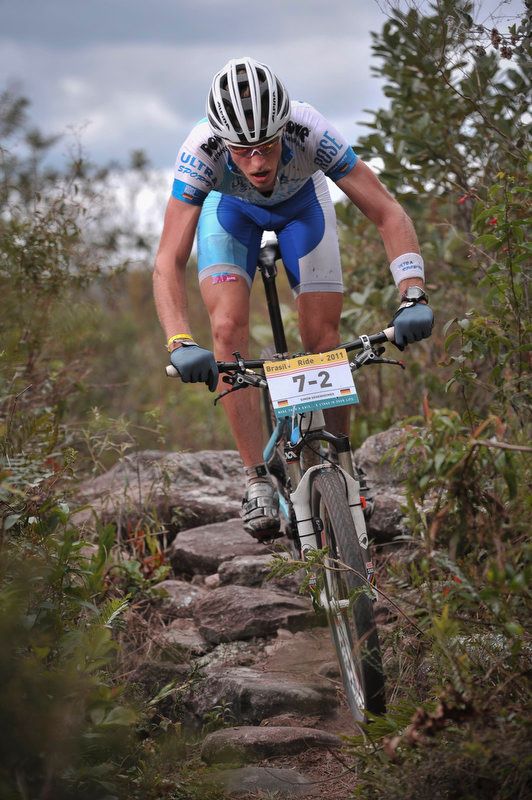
(400, 240)
(170, 295)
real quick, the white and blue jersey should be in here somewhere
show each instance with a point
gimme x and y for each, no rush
(299, 209)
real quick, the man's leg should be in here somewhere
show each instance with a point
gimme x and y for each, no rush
(319, 324)
(228, 308)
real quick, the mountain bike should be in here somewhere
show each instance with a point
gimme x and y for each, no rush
(321, 505)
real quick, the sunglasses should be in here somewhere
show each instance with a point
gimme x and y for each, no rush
(248, 152)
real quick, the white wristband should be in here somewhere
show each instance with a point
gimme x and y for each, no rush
(409, 265)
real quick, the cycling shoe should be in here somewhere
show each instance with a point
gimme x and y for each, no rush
(260, 511)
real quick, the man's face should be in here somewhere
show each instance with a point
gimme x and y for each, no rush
(258, 164)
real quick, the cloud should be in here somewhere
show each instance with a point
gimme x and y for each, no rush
(132, 74)
(142, 95)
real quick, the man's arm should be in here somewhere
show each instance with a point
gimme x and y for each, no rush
(169, 290)
(414, 319)
(366, 191)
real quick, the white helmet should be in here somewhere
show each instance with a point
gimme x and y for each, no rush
(247, 103)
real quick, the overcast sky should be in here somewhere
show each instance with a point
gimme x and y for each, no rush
(127, 74)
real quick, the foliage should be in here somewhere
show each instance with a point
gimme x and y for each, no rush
(70, 725)
(453, 146)
(75, 728)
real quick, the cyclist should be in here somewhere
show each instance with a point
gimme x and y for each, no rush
(258, 162)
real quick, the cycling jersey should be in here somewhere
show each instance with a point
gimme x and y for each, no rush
(299, 209)
(310, 143)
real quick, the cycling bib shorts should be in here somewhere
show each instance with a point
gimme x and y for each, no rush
(230, 233)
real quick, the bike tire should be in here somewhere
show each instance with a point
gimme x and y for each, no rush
(352, 625)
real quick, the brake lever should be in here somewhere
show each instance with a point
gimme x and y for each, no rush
(229, 391)
(373, 357)
(393, 361)
(241, 381)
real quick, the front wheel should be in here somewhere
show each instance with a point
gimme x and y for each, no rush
(348, 597)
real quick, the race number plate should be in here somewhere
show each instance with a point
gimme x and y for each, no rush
(310, 382)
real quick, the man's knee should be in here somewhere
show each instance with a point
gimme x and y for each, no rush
(319, 320)
(324, 337)
(229, 329)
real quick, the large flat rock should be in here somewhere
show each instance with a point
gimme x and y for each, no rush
(242, 612)
(180, 489)
(248, 743)
(251, 695)
(201, 550)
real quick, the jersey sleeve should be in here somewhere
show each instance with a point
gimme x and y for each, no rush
(331, 151)
(197, 166)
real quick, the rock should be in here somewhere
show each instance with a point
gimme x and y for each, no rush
(212, 581)
(241, 612)
(182, 638)
(203, 549)
(178, 597)
(387, 520)
(180, 489)
(375, 458)
(386, 482)
(272, 780)
(290, 721)
(330, 669)
(249, 570)
(253, 570)
(248, 743)
(251, 695)
(231, 654)
(153, 675)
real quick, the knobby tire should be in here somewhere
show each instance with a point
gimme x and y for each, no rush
(353, 627)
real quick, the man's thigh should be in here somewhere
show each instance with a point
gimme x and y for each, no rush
(309, 240)
(228, 240)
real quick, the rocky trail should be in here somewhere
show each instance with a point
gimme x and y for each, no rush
(262, 693)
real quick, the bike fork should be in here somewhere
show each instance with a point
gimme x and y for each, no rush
(306, 523)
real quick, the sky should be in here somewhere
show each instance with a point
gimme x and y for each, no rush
(127, 74)
(120, 75)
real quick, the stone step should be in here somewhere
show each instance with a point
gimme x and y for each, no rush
(253, 570)
(242, 612)
(201, 550)
(248, 696)
(251, 743)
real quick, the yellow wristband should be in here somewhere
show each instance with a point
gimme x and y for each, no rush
(179, 337)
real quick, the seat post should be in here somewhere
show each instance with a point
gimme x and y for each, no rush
(267, 267)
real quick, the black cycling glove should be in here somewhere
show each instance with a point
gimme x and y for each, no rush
(412, 323)
(195, 365)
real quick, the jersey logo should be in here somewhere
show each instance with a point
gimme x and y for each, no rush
(296, 131)
(328, 149)
(213, 147)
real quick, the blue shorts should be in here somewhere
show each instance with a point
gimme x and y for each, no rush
(230, 232)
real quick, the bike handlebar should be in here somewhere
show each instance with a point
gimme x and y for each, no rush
(386, 335)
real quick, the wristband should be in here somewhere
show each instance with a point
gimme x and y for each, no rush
(179, 337)
(409, 265)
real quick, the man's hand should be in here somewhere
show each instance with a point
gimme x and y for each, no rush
(412, 323)
(195, 365)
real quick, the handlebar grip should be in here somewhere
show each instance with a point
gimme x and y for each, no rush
(390, 334)
(171, 371)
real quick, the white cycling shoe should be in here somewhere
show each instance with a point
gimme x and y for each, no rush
(260, 511)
